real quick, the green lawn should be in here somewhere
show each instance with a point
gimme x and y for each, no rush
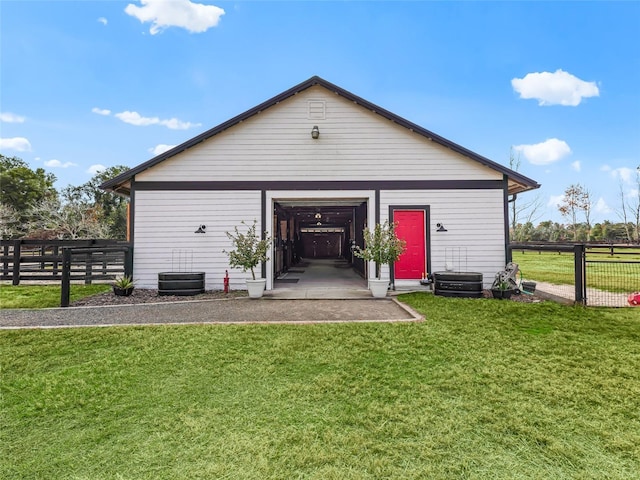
(558, 268)
(43, 296)
(481, 389)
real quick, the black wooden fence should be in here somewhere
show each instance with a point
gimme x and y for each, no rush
(94, 263)
(28, 260)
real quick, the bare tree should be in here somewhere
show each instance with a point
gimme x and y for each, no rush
(622, 212)
(587, 205)
(72, 220)
(634, 205)
(522, 213)
(576, 199)
(10, 225)
(629, 211)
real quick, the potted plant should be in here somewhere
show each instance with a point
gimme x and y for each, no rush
(248, 252)
(383, 247)
(123, 286)
(501, 289)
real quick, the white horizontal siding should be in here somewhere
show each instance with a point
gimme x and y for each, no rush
(164, 233)
(474, 219)
(354, 144)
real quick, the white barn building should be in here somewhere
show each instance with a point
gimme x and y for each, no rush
(314, 194)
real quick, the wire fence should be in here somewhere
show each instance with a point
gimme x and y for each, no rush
(593, 275)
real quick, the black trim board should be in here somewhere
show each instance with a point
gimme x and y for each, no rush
(132, 211)
(325, 185)
(117, 183)
(505, 202)
(263, 222)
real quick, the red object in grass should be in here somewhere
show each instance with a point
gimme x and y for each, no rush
(634, 299)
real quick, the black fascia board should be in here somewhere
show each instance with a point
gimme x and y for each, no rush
(315, 80)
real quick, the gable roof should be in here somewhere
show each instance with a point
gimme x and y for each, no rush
(517, 183)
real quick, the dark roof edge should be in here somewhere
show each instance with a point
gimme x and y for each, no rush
(315, 80)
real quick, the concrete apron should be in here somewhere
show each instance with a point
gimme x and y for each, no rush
(320, 279)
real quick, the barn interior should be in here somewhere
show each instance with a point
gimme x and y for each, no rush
(307, 230)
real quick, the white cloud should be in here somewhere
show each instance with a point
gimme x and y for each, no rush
(58, 164)
(194, 17)
(93, 169)
(576, 165)
(549, 151)
(134, 118)
(605, 168)
(9, 117)
(101, 111)
(559, 88)
(161, 148)
(20, 144)
(602, 207)
(103, 20)
(555, 200)
(623, 173)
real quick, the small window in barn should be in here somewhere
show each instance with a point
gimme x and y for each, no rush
(316, 109)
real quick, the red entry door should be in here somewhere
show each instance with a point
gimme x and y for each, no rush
(411, 228)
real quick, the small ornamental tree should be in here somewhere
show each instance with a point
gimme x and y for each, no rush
(248, 249)
(381, 245)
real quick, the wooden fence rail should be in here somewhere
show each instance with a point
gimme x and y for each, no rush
(26, 259)
(97, 263)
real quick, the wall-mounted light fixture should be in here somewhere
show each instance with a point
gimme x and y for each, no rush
(440, 227)
(318, 215)
(201, 229)
(315, 132)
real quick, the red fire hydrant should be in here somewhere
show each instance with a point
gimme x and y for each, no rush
(226, 281)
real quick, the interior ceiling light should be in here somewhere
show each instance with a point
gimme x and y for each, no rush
(318, 216)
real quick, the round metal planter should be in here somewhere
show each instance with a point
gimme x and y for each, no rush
(458, 284)
(181, 283)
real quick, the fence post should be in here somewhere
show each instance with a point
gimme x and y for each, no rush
(580, 274)
(65, 290)
(128, 261)
(56, 252)
(5, 262)
(16, 262)
(88, 268)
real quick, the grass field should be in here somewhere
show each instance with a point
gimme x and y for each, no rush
(43, 296)
(558, 268)
(481, 389)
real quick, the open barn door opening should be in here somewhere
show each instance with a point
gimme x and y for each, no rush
(317, 230)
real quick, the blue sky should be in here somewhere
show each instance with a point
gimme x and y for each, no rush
(90, 84)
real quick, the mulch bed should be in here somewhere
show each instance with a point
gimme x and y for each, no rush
(144, 295)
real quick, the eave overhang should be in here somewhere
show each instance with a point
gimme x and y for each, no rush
(517, 183)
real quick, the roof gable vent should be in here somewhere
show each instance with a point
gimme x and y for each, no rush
(316, 110)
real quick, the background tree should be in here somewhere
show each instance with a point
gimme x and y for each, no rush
(10, 225)
(110, 208)
(576, 199)
(21, 187)
(629, 211)
(72, 220)
(522, 213)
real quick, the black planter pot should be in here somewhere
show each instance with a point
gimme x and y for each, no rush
(122, 292)
(500, 294)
